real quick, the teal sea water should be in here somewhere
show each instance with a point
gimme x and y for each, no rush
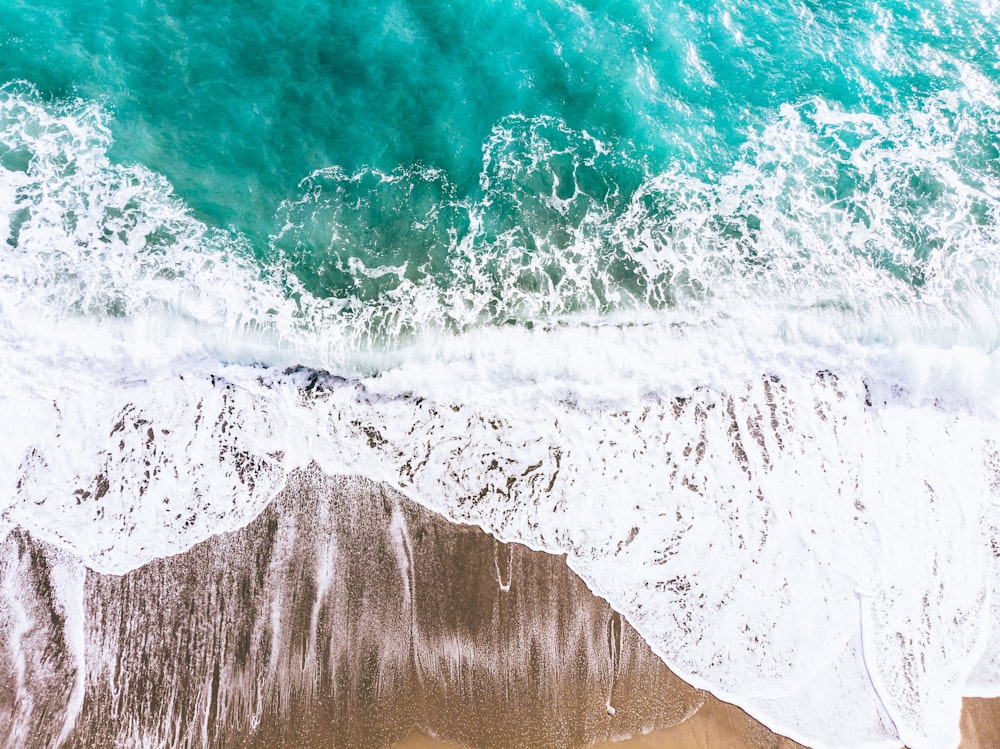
(237, 104)
(736, 263)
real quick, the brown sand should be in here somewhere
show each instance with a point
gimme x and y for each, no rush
(980, 724)
(346, 616)
(718, 725)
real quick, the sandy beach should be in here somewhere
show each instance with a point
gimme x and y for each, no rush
(348, 616)
(717, 724)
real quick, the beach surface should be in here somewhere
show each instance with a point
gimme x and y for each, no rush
(346, 615)
(718, 725)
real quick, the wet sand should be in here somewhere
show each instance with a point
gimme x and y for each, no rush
(718, 725)
(344, 616)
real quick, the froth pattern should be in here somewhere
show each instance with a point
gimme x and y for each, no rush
(765, 457)
(881, 224)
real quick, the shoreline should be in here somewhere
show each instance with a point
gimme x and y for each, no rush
(346, 615)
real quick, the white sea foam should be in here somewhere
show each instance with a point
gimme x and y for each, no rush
(776, 455)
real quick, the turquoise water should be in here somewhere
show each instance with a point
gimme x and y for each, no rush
(237, 103)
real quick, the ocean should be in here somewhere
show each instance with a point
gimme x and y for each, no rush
(704, 296)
